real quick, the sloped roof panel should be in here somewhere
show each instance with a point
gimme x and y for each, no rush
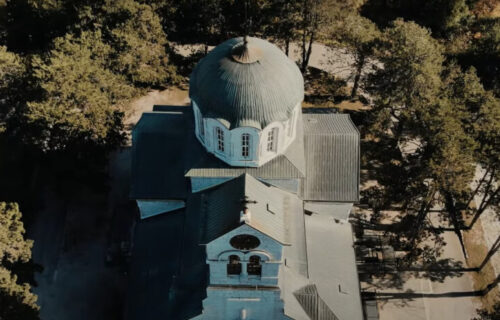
(270, 208)
(313, 305)
(332, 158)
(157, 172)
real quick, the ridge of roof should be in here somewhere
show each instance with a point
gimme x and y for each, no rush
(222, 205)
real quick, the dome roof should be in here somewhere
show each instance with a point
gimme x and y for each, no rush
(246, 84)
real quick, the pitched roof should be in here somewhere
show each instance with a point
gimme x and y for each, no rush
(289, 165)
(325, 157)
(252, 94)
(270, 208)
(157, 172)
(331, 144)
(160, 173)
(168, 270)
(332, 265)
(313, 305)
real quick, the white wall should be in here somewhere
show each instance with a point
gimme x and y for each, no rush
(258, 154)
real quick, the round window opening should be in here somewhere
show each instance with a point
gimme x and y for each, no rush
(244, 242)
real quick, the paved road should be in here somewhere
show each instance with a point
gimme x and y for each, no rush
(449, 300)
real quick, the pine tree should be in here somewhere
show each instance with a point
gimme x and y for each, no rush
(358, 35)
(17, 302)
(415, 107)
(81, 96)
(139, 43)
(12, 90)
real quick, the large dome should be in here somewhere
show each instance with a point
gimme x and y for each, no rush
(246, 84)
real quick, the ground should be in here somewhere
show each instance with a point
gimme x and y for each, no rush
(421, 298)
(73, 238)
(70, 243)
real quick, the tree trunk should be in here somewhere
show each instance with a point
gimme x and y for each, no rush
(303, 46)
(491, 252)
(422, 213)
(287, 46)
(309, 51)
(476, 190)
(483, 206)
(359, 68)
(307, 24)
(452, 210)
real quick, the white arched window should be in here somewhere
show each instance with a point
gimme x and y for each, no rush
(272, 140)
(220, 139)
(245, 145)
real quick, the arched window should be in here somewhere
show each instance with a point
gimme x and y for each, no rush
(254, 267)
(272, 140)
(220, 139)
(234, 265)
(245, 145)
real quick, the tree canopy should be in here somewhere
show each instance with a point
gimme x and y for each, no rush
(429, 113)
(12, 74)
(17, 302)
(80, 94)
(139, 43)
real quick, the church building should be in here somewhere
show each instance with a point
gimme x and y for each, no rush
(244, 197)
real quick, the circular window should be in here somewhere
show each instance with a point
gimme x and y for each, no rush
(244, 242)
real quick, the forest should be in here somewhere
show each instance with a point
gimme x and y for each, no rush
(68, 69)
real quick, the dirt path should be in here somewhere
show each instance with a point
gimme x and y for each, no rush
(170, 96)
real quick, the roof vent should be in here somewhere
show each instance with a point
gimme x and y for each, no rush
(245, 52)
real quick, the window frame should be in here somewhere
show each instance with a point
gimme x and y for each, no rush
(272, 140)
(234, 266)
(245, 145)
(244, 242)
(219, 135)
(254, 266)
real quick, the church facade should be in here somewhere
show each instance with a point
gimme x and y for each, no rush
(244, 197)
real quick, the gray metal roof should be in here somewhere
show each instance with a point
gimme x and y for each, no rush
(332, 265)
(331, 144)
(247, 94)
(325, 157)
(289, 165)
(313, 305)
(157, 172)
(270, 209)
(168, 270)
